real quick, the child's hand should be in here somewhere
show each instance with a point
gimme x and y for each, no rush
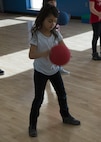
(99, 17)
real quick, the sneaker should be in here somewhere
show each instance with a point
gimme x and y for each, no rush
(63, 71)
(71, 120)
(1, 72)
(96, 57)
(32, 132)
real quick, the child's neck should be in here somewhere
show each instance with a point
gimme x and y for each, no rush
(46, 33)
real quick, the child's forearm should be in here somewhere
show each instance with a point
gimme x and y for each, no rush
(35, 55)
(93, 10)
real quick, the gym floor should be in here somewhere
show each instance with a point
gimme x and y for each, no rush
(83, 85)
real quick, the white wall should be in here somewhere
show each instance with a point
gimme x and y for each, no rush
(36, 4)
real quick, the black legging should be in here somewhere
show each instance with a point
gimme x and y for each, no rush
(40, 81)
(100, 44)
(96, 34)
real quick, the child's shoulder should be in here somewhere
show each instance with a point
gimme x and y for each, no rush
(35, 34)
(58, 33)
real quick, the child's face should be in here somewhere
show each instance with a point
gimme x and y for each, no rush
(52, 2)
(49, 23)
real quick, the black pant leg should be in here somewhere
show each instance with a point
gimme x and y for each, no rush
(39, 84)
(58, 85)
(96, 34)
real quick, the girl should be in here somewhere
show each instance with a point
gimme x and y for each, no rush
(44, 37)
(54, 3)
(95, 20)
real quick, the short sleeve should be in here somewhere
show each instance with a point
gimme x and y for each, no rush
(60, 37)
(33, 40)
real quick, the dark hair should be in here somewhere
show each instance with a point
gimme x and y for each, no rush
(44, 13)
(46, 2)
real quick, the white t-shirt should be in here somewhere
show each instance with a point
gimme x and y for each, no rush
(43, 43)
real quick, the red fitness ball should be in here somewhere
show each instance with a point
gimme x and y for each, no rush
(60, 55)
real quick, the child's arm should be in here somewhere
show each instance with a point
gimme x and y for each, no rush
(33, 53)
(93, 10)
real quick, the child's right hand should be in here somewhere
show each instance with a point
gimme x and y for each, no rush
(99, 15)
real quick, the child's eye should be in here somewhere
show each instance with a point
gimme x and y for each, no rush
(50, 21)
